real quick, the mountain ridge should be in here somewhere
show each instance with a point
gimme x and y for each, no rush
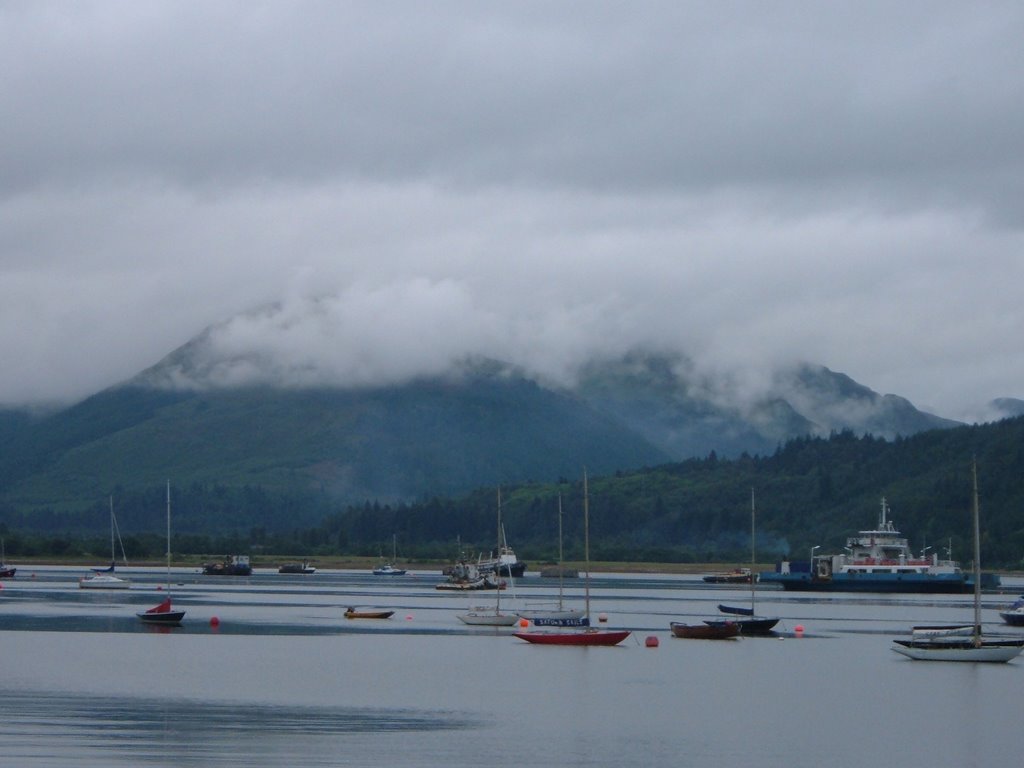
(480, 421)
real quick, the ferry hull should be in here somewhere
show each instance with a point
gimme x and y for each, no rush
(907, 583)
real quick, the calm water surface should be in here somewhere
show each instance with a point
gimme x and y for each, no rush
(286, 679)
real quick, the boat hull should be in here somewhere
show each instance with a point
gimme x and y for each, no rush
(297, 568)
(717, 631)
(908, 583)
(7, 573)
(585, 637)
(104, 582)
(742, 576)
(747, 626)
(991, 651)
(489, 619)
(1015, 618)
(369, 614)
(387, 570)
(541, 614)
(166, 618)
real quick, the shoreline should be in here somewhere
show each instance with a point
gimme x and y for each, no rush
(368, 563)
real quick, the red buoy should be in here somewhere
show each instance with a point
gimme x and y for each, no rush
(651, 641)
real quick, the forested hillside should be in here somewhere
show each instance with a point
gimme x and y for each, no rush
(810, 491)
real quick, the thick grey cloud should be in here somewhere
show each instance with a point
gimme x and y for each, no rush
(752, 183)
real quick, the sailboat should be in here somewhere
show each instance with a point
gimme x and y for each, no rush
(747, 619)
(487, 617)
(6, 571)
(961, 643)
(561, 614)
(389, 569)
(164, 614)
(585, 634)
(104, 578)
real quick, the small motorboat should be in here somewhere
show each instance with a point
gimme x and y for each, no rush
(352, 613)
(1015, 613)
(387, 569)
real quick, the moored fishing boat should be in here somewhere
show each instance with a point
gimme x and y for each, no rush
(877, 560)
(231, 565)
(465, 576)
(505, 564)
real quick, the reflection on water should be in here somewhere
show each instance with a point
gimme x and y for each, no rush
(52, 728)
(283, 678)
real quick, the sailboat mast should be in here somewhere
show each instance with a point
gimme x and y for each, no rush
(753, 528)
(561, 567)
(168, 538)
(112, 555)
(586, 544)
(497, 570)
(977, 559)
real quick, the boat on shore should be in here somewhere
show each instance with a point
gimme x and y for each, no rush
(735, 576)
(230, 565)
(302, 568)
(724, 630)
(876, 560)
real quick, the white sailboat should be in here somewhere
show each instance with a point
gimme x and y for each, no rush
(104, 578)
(559, 613)
(164, 613)
(490, 617)
(389, 569)
(961, 643)
(6, 571)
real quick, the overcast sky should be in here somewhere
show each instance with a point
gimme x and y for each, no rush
(752, 183)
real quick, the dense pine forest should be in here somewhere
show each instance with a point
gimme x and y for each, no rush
(809, 492)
